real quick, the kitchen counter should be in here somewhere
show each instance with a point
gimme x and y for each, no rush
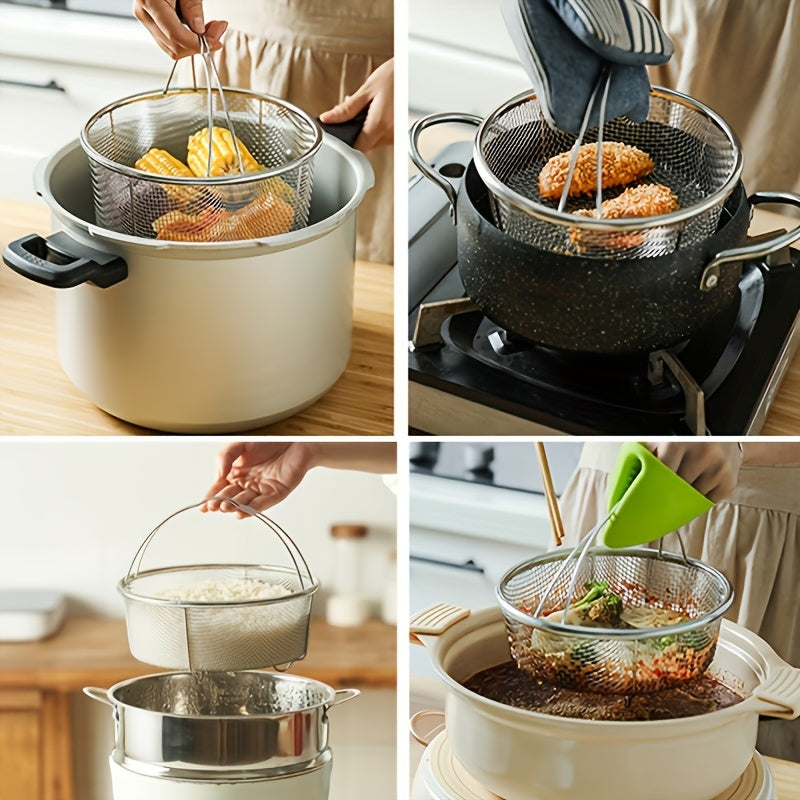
(38, 678)
(36, 397)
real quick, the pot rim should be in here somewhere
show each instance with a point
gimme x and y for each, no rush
(562, 218)
(489, 617)
(357, 161)
(323, 705)
(132, 172)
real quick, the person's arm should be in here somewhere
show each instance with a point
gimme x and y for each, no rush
(261, 474)
(377, 92)
(175, 38)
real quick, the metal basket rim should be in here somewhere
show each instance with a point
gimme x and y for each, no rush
(638, 634)
(505, 194)
(274, 676)
(124, 587)
(248, 177)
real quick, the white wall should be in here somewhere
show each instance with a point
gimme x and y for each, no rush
(75, 511)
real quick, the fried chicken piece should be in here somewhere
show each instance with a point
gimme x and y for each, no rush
(622, 164)
(646, 200)
(267, 215)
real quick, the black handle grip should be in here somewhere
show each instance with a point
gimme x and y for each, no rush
(349, 131)
(61, 262)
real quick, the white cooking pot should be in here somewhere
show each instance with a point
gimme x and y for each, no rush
(199, 337)
(520, 755)
(310, 785)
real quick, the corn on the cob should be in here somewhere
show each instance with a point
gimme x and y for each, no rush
(223, 154)
(622, 164)
(160, 162)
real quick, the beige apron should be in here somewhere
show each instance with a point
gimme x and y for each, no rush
(753, 537)
(313, 53)
(740, 57)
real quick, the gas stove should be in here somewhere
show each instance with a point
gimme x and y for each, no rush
(441, 777)
(468, 376)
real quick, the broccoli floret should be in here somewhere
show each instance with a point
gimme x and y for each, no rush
(599, 606)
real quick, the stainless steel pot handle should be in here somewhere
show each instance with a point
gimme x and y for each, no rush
(96, 693)
(343, 695)
(424, 167)
(763, 246)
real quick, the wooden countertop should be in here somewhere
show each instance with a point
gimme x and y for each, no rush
(95, 651)
(787, 778)
(36, 397)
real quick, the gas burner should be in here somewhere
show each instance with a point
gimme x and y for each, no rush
(441, 777)
(467, 375)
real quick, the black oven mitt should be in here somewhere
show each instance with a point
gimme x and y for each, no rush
(563, 67)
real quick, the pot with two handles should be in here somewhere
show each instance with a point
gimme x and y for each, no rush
(520, 755)
(580, 302)
(199, 337)
(226, 735)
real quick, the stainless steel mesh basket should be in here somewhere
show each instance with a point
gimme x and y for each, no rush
(696, 155)
(620, 661)
(282, 138)
(230, 635)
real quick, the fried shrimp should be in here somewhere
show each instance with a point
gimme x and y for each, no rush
(622, 164)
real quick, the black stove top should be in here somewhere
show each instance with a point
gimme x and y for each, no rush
(721, 382)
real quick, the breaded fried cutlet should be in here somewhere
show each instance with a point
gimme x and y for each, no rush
(622, 164)
(646, 200)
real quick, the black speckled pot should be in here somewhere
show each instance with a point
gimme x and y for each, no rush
(586, 305)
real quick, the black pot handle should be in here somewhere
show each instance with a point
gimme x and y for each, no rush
(422, 165)
(348, 131)
(61, 262)
(759, 246)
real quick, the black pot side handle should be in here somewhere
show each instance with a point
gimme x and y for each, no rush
(348, 131)
(757, 246)
(61, 262)
(422, 165)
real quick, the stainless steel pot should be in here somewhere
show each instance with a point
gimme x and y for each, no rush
(199, 337)
(520, 755)
(220, 725)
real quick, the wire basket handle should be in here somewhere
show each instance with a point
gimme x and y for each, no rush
(289, 544)
(210, 70)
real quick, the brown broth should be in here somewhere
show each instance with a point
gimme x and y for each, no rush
(511, 686)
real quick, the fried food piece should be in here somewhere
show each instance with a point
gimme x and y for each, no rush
(223, 155)
(622, 164)
(267, 215)
(646, 200)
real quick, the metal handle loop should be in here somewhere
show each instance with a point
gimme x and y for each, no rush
(763, 247)
(424, 167)
(289, 544)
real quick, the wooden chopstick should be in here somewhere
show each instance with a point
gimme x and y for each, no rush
(550, 494)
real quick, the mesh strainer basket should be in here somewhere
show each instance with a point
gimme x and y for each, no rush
(282, 138)
(695, 152)
(210, 635)
(620, 661)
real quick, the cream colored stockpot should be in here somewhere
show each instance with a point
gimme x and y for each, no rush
(520, 755)
(199, 337)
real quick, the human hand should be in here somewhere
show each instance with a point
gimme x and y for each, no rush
(710, 467)
(161, 19)
(259, 474)
(377, 92)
